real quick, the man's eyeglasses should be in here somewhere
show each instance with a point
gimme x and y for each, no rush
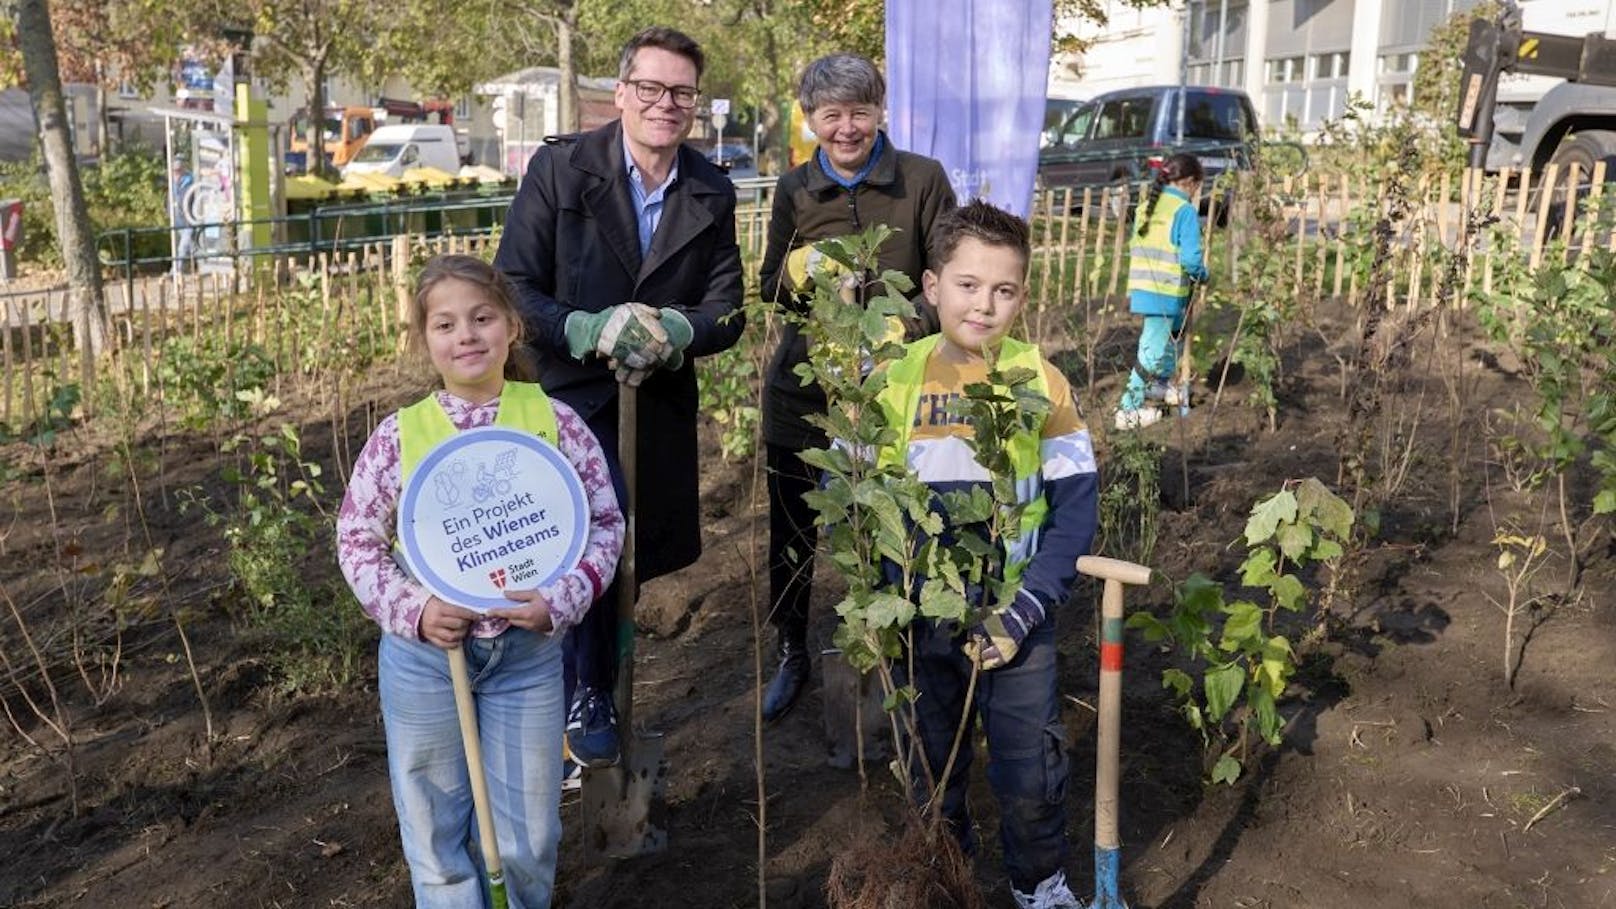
(650, 91)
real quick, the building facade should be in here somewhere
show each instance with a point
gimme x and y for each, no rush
(1299, 60)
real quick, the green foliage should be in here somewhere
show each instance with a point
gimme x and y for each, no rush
(1264, 292)
(317, 634)
(125, 190)
(987, 522)
(1130, 497)
(26, 180)
(205, 377)
(57, 416)
(870, 511)
(1247, 662)
(1560, 321)
(726, 386)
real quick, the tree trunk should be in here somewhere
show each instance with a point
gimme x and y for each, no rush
(314, 78)
(566, 28)
(86, 304)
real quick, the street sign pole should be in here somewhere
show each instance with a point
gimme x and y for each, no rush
(720, 112)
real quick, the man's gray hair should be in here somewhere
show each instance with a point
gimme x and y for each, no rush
(841, 79)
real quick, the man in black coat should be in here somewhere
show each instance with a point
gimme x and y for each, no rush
(621, 245)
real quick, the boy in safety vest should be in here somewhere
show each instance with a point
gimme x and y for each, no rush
(977, 279)
(1164, 262)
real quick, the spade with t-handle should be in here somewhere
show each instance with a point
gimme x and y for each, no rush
(1108, 758)
(624, 806)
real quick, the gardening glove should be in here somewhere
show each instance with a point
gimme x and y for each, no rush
(679, 334)
(993, 642)
(676, 325)
(804, 262)
(629, 333)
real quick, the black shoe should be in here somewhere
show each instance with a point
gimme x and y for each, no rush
(789, 680)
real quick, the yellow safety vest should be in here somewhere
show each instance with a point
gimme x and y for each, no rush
(1153, 264)
(900, 400)
(422, 425)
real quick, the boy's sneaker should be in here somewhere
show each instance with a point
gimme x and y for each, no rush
(1175, 395)
(1051, 893)
(1137, 419)
(592, 728)
(572, 776)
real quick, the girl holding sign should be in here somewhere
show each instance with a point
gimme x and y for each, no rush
(465, 320)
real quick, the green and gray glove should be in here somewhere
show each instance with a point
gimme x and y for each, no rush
(679, 334)
(995, 640)
(629, 334)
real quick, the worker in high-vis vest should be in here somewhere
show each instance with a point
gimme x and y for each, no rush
(1164, 263)
(978, 283)
(465, 320)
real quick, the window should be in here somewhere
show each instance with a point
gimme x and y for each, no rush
(1400, 64)
(1234, 72)
(1330, 66)
(127, 90)
(1214, 115)
(1284, 69)
(1078, 125)
(1124, 118)
(463, 108)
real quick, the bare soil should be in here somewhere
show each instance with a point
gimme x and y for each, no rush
(1410, 775)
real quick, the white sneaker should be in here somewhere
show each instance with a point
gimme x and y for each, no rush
(1137, 419)
(1051, 893)
(1175, 395)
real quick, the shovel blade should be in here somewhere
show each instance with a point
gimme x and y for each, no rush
(624, 808)
(852, 702)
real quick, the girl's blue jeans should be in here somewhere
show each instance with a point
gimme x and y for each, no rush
(516, 681)
(1157, 358)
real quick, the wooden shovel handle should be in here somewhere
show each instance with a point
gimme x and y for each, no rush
(466, 707)
(1114, 570)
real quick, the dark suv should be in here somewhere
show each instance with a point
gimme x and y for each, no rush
(1120, 135)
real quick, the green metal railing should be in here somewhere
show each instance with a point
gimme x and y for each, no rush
(326, 229)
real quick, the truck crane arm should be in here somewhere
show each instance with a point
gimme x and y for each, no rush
(1502, 46)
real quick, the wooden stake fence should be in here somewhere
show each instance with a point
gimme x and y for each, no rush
(1079, 265)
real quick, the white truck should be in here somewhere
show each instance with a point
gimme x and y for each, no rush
(1540, 86)
(392, 150)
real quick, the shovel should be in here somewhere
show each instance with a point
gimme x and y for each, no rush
(1108, 758)
(624, 807)
(466, 709)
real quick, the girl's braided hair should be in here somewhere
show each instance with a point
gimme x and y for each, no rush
(1179, 167)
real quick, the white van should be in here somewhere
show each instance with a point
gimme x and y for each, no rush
(392, 150)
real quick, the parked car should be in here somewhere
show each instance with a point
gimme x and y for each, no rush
(735, 158)
(1119, 136)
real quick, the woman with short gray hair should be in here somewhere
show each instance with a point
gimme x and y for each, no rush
(855, 179)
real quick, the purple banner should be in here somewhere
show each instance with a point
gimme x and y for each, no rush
(965, 85)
